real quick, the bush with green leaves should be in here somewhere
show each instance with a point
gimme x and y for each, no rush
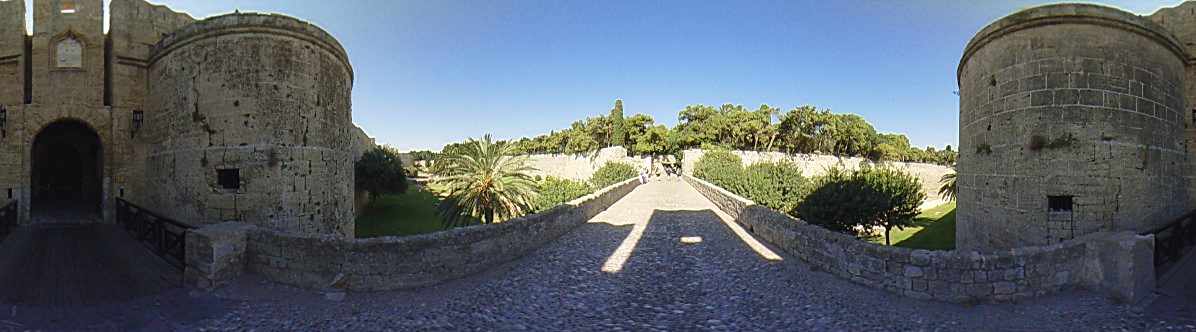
(869, 197)
(612, 173)
(721, 168)
(555, 191)
(777, 185)
(380, 172)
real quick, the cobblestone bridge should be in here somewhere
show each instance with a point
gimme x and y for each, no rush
(626, 269)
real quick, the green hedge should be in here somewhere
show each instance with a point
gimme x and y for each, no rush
(777, 185)
(555, 191)
(612, 173)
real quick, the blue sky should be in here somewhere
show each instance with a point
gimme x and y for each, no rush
(433, 72)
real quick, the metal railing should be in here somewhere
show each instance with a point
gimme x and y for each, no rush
(1172, 240)
(8, 218)
(165, 236)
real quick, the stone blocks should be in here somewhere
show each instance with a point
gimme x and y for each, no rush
(1115, 262)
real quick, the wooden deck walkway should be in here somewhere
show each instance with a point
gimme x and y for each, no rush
(79, 264)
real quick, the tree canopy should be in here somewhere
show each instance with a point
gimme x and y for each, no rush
(803, 129)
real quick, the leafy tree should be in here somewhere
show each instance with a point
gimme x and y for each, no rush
(380, 172)
(619, 133)
(555, 191)
(947, 189)
(868, 197)
(721, 168)
(612, 173)
(483, 179)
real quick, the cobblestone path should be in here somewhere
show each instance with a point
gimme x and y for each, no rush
(627, 269)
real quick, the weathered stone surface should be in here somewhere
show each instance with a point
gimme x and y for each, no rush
(387, 263)
(1080, 101)
(952, 276)
(215, 254)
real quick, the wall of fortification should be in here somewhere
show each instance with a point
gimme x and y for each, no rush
(1120, 264)
(262, 101)
(1080, 102)
(217, 254)
(815, 164)
(581, 167)
(1181, 21)
(12, 53)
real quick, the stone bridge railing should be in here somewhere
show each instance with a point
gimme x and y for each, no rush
(1119, 264)
(218, 253)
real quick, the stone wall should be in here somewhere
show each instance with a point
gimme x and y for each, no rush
(266, 97)
(817, 164)
(1117, 263)
(581, 167)
(386, 263)
(1079, 102)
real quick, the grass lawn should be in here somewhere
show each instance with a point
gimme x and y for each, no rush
(396, 215)
(933, 229)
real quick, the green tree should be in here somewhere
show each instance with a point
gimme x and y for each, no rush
(612, 173)
(947, 187)
(483, 179)
(868, 197)
(380, 172)
(555, 191)
(619, 132)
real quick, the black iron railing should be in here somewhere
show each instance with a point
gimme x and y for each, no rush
(1172, 240)
(165, 236)
(8, 218)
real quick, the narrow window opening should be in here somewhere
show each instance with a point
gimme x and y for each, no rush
(229, 178)
(28, 70)
(1059, 203)
(67, 7)
(122, 192)
(108, 70)
(9, 193)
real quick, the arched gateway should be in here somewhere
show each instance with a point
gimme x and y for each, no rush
(66, 174)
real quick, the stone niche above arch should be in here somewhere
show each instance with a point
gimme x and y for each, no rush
(68, 51)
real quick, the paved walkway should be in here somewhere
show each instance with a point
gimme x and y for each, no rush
(626, 269)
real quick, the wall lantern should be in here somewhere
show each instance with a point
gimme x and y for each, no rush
(138, 118)
(3, 121)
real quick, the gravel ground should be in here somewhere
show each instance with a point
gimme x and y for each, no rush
(718, 284)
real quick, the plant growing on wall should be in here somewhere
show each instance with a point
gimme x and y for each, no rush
(485, 180)
(984, 148)
(380, 172)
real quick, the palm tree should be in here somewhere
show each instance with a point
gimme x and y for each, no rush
(483, 179)
(947, 190)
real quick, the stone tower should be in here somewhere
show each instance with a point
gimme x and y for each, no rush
(242, 117)
(1073, 119)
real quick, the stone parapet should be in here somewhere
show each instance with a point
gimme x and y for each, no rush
(1114, 263)
(388, 263)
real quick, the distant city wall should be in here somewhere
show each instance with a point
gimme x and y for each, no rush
(1119, 264)
(218, 253)
(581, 167)
(817, 164)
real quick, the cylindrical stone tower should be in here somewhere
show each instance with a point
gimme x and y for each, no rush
(1071, 122)
(251, 123)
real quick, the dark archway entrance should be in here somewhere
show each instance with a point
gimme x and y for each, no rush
(67, 173)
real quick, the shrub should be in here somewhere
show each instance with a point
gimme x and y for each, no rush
(721, 168)
(612, 173)
(555, 191)
(777, 185)
(869, 197)
(380, 172)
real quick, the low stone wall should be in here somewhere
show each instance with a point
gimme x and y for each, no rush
(1119, 264)
(387, 263)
